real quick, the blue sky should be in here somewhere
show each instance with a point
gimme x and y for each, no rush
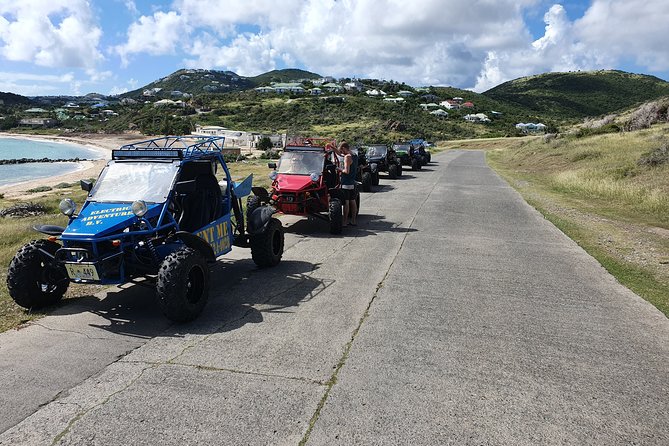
(50, 47)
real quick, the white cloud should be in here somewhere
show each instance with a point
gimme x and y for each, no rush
(49, 33)
(31, 84)
(158, 34)
(634, 29)
(466, 43)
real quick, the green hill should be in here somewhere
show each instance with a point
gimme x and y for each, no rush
(13, 99)
(579, 94)
(194, 82)
(286, 75)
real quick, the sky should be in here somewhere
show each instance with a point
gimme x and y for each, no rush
(74, 47)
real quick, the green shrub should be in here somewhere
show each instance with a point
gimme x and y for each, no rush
(585, 155)
(64, 185)
(40, 189)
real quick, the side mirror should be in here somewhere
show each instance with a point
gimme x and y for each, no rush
(86, 185)
(271, 165)
(184, 187)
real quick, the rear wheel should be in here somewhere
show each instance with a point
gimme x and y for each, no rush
(267, 247)
(183, 285)
(366, 182)
(35, 279)
(336, 216)
(375, 179)
(399, 170)
(252, 203)
(392, 171)
(415, 164)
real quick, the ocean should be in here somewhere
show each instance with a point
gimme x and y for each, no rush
(11, 148)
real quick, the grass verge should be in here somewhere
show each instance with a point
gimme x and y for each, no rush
(596, 191)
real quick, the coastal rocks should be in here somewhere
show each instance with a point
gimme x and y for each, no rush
(23, 210)
(41, 160)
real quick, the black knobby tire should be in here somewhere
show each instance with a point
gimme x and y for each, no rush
(183, 285)
(335, 212)
(415, 164)
(399, 170)
(375, 179)
(392, 171)
(428, 158)
(267, 247)
(252, 203)
(34, 279)
(366, 182)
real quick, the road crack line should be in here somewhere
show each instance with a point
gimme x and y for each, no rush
(349, 345)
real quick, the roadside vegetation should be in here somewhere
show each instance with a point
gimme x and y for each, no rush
(608, 192)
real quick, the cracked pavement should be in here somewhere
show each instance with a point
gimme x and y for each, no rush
(453, 314)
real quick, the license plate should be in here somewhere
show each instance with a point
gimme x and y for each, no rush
(82, 272)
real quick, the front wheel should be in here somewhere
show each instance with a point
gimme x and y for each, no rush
(183, 285)
(399, 170)
(375, 179)
(267, 247)
(415, 164)
(392, 171)
(335, 212)
(35, 279)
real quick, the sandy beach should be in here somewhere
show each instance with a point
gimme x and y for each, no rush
(88, 169)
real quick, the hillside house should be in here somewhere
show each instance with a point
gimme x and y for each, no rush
(478, 118)
(440, 113)
(394, 100)
(531, 127)
(354, 85)
(36, 110)
(428, 106)
(375, 93)
(38, 122)
(429, 98)
(404, 93)
(316, 91)
(468, 104)
(290, 87)
(450, 104)
(458, 100)
(264, 89)
(324, 80)
(332, 87)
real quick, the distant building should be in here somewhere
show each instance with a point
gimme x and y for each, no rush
(468, 105)
(478, 117)
(375, 92)
(38, 122)
(395, 100)
(428, 106)
(450, 104)
(439, 112)
(36, 110)
(404, 93)
(291, 87)
(531, 127)
(354, 85)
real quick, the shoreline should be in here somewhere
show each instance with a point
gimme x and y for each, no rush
(102, 143)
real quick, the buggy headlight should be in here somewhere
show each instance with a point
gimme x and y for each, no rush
(314, 177)
(273, 174)
(67, 206)
(139, 208)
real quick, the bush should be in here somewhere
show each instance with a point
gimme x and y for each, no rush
(39, 189)
(657, 157)
(64, 185)
(231, 158)
(270, 155)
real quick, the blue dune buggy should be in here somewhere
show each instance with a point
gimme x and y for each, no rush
(157, 211)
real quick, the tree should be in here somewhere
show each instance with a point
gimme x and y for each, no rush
(265, 143)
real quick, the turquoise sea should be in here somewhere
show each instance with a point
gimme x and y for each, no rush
(11, 148)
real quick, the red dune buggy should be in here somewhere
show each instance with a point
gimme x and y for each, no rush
(305, 181)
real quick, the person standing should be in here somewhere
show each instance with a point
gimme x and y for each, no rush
(348, 174)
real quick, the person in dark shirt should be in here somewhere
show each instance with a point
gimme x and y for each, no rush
(348, 173)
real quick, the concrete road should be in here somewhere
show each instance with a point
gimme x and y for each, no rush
(453, 314)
